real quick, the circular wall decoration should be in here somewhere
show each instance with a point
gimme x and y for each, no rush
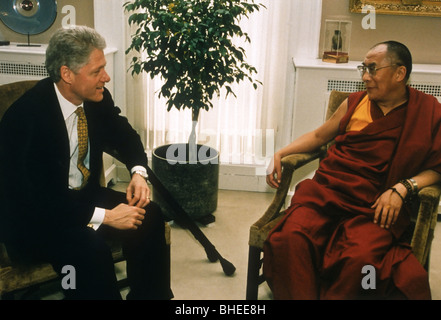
(28, 16)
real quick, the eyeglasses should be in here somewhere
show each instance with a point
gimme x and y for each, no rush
(371, 70)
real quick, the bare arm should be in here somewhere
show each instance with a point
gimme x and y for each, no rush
(308, 142)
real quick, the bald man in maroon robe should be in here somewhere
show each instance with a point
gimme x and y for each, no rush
(347, 220)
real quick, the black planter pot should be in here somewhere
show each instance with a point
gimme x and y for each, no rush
(193, 185)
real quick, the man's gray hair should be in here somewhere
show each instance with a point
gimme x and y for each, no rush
(71, 47)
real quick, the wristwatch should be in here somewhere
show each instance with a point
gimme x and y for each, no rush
(142, 173)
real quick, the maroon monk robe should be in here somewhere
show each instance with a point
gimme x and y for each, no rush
(327, 235)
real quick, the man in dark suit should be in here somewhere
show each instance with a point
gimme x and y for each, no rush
(52, 206)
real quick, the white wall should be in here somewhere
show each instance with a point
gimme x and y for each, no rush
(110, 23)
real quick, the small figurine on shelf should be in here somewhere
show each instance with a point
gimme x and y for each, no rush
(336, 41)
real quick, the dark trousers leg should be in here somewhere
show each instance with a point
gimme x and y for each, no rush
(90, 274)
(91, 258)
(88, 252)
(146, 253)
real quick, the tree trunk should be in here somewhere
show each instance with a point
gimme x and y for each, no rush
(192, 139)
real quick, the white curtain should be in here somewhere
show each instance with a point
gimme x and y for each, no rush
(249, 128)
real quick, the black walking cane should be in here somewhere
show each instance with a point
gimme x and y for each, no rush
(184, 219)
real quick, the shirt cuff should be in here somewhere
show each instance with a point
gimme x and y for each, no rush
(139, 168)
(97, 218)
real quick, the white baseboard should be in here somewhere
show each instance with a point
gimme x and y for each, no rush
(243, 178)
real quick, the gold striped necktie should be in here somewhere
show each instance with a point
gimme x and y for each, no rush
(82, 144)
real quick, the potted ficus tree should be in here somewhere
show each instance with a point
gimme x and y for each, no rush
(189, 44)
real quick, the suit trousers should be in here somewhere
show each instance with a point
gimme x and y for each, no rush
(88, 252)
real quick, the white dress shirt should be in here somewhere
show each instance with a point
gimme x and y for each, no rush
(75, 175)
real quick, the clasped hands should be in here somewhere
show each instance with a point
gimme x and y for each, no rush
(130, 216)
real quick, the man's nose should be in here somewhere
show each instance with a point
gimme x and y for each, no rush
(366, 76)
(105, 77)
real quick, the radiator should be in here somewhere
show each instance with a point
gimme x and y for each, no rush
(356, 85)
(22, 70)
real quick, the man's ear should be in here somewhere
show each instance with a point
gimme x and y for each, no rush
(66, 74)
(401, 73)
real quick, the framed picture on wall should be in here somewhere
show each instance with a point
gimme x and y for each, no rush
(431, 8)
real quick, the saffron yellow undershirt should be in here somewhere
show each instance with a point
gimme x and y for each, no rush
(361, 117)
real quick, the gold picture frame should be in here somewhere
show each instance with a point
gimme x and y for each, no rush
(429, 8)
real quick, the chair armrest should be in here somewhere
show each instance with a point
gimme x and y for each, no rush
(289, 164)
(429, 198)
(295, 161)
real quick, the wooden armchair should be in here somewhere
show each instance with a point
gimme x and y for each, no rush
(15, 277)
(420, 234)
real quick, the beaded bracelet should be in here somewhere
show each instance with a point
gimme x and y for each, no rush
(408, 186)
(399, 194)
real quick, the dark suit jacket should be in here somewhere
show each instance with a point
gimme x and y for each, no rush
(34, 162)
